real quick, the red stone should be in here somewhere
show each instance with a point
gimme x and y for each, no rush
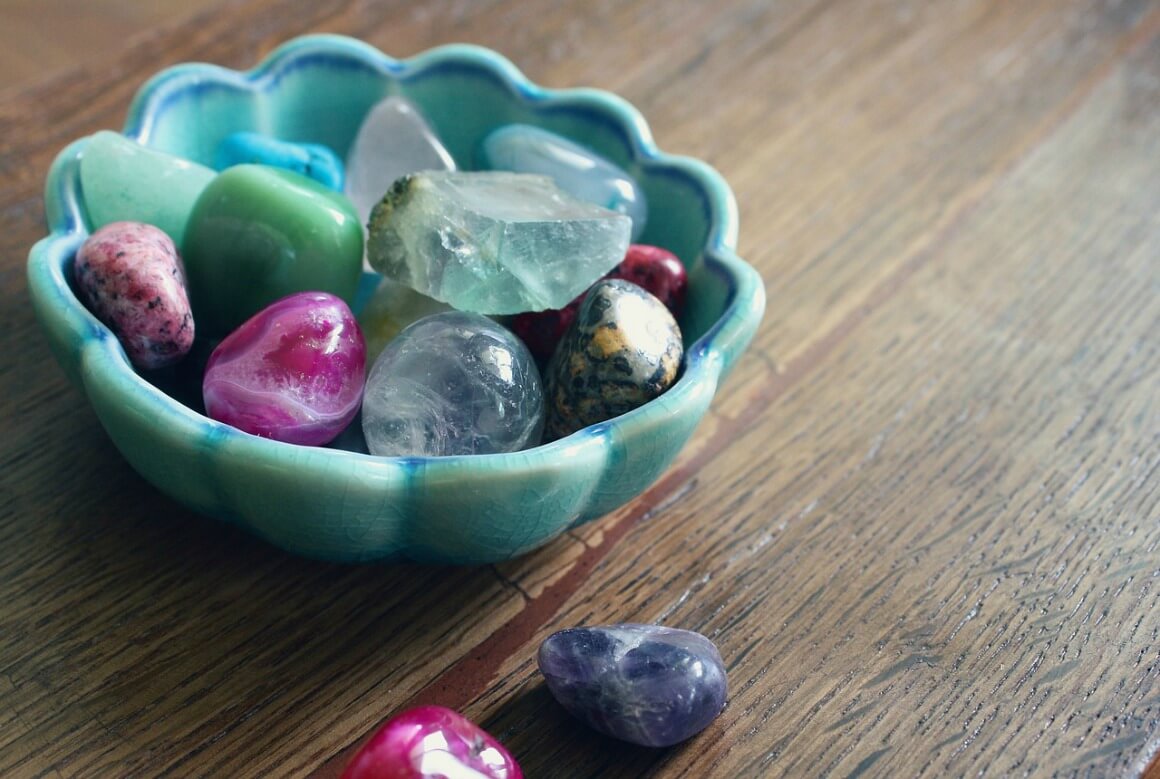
(658, 271)
(431, 742)
(651, 267)
(542, 330)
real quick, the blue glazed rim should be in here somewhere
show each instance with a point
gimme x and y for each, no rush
(88, 351)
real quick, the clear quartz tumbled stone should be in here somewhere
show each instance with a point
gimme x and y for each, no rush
(453, 383)
(393, 140)
(493, 242)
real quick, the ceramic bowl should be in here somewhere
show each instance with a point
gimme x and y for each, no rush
(343, 505)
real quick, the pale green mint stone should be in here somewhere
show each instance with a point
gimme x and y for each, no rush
(123, 181)
(493, 242)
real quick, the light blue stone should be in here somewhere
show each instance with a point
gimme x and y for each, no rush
(576, 170)
(123, 181)
(310, 159)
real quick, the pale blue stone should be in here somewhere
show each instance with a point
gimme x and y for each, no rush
(576, 170)
(493, 242)
(393, 140)
(310, 159)
(453, 383)
(123, 181)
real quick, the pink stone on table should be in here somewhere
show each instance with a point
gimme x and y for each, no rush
(131, 277)
(431, 742)
(293, 372)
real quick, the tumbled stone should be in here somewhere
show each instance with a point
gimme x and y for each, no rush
(293, 372)
(259, 233)
(432, 742)
(123, 181)
(131, 277)
(657, 270)
(453, 383)
(575, 169)
(650, 267)
(393, 140)
(542, 331)
(646, 684)
(312, 160)
(493, 243)
(623, 349)
(391, 308)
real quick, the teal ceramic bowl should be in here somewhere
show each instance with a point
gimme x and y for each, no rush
(342, 505)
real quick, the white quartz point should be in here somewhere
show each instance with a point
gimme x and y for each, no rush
(394, 140)
(493, 242)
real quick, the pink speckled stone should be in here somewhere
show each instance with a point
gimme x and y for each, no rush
(130, 276)
(293, 372)
(431, 742)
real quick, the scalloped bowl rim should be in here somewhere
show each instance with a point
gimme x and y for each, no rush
(101, 358)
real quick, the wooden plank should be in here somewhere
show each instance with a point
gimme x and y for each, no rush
(39, 37)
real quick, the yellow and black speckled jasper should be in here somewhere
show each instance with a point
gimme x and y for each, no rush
(623, 350)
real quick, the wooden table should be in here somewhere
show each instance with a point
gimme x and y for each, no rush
(922, 521)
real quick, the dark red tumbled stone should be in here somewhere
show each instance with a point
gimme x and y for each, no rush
(655, 269)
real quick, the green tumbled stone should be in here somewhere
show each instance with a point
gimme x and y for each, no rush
(124, 181)
(257, 234)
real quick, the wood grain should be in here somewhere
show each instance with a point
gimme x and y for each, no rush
(922, 521)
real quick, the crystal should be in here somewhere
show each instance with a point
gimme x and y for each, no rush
(293, 372)
(431, 742)
(391, 308)
(646, 684)
(131, 277)
(494, 243)
(650, 267)
(393, 140)
(623, 350)
(453, 383)
(579, 171)
(309, 159)
(123, 181)
(259, 233)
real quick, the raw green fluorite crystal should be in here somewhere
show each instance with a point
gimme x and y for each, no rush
(493, 243)
(124, 181)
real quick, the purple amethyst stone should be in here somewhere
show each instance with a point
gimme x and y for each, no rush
(646, 684)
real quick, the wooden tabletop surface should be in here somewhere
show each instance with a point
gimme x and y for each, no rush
(921, 522)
